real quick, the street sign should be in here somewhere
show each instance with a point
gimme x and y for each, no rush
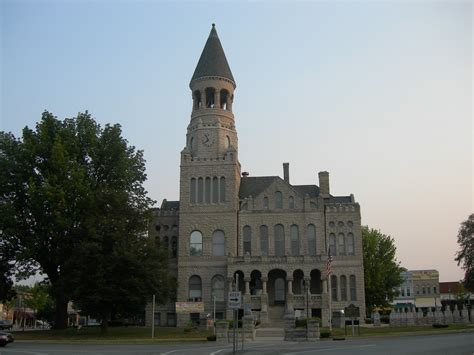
(235, 299)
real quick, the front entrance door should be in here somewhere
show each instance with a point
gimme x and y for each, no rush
(279, 290)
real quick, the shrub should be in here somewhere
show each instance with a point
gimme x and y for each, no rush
(385, 319)
(318, 319)
(440, 325)
(368, 321)
(301, 323)
(211, 338)
(231, 324)
(325, 334)
(257, 323)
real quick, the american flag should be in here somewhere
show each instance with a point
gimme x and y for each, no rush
(328, 264)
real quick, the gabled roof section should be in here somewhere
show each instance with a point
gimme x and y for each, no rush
(170, 205)
(213, 61)
(253, 186)
(303, 190)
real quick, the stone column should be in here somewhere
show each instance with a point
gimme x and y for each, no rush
(247, 285)
(248, 327)
(217, 103)
(222, 329)
(290, 285)
(325, 285)
(289, 325)
(264, 285)
(312, 330)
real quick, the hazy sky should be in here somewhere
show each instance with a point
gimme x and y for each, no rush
(378, 93)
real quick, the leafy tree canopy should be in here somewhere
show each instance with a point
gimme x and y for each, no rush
(382, 271)
(465, 256)
(74, 208)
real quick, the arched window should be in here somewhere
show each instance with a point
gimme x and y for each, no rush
(352, 287)
(222, 189)
(195, 289)
(279, 240)
(195, 244)
(295, 240)
(200, 190)
(227, 141)
(263, 240)
(165, 243)
(291, 202)
(334, 287)
(197, 100)
(193, 190)
(332, 244)
(342, 244)
(350, 244)
(207, 190)
(311, 236)
(278, 199)
(218, 243)
(210, 97)
(247, 240)
(215, 189)
(174, 247)
(217, 288)
(224, 98)
(265, 203)
(191, 143)
(343, 281)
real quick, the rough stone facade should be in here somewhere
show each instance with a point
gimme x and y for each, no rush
(260, 235)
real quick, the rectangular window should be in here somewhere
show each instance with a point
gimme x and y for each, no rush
(157, 318)
(408, 292)
(194, 318)
(171, 319)
(435, 290)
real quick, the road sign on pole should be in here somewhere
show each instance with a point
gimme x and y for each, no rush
(235, 299)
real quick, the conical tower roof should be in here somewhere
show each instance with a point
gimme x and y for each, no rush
(213, 61)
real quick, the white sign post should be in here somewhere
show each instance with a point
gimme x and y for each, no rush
(235, 299)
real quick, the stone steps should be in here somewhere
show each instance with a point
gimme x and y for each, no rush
(270, 333)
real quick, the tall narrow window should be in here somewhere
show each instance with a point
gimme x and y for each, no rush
(193, 190)
(263, 240)
(279, 240)
(311, 236)
(224, 98)
(352, 287)
(334, 287)
(174, 247)
(217, 288)
(215, 189)
(207, 190)
(291, 202)
(332, 244)
(195, 245)
(200, 190)
(350, 244)
(278, 199)
(295, 240)
(247, 240)
(218, 243)
(197, 100)
(342, 244)
(222, 189)
(343, 281)
(265, 203)
(195, 289)
(210, 97)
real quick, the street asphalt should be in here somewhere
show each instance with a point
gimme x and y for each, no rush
(456, 343)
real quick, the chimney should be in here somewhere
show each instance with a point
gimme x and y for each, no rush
(245, 174)
(323, 184)
(286, 172)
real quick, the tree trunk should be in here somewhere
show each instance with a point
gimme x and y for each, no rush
(105, 322)
(61, 316)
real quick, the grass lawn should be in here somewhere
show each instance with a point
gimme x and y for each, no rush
(396, 331)
(114, 335)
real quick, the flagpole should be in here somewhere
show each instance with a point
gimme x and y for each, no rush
(329, 301)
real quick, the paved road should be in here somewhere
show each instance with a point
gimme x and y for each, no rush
(429, 344)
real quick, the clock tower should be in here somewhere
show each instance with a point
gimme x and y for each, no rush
(209, 175)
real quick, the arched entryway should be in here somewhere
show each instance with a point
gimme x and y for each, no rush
(316, 283)
(277, 287)
(255, 283)
(298, 282)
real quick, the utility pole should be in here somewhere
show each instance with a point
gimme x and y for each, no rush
(153, 318)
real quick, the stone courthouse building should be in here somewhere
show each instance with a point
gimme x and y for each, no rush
(260, 234)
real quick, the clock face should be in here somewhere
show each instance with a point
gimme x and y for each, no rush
(208, 139)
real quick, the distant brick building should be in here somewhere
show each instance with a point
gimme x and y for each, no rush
(263, 233)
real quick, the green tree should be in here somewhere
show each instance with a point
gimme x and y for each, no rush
(40, 301)
(465, 256)
(382, 271)
(71, 190)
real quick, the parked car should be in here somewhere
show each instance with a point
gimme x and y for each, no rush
(4, 324)
(5, 338)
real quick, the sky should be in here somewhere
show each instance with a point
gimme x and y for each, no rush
(378, 93)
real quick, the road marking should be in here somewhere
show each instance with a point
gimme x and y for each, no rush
(331, 349)
(218, 351)
(22, 352)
